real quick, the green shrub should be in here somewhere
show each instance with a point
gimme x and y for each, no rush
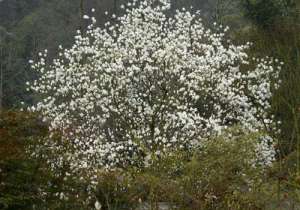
(224, 174)
(20, 176)
(26, 182)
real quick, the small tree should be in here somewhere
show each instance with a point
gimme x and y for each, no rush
(146, 85)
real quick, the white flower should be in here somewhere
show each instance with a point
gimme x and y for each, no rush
(86, 17)
(98, 205)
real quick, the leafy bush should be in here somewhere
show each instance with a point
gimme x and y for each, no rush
(20, 176)
(225, 174)
(26, 181)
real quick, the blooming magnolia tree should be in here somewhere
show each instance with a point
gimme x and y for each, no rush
(147, 84)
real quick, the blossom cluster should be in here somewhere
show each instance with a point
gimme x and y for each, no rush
(149, 83)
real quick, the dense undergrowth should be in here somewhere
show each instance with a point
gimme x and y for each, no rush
(221, 176)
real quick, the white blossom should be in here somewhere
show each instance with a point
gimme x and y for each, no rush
(98, 206)
(146, 84)
(86, 17)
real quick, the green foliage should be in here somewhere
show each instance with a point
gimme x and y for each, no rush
(261, 12)
(15, 129)
(264, 13)
(222, 175)
(20, 176)
(25, 181)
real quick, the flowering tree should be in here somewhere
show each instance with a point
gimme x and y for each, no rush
(148, 84)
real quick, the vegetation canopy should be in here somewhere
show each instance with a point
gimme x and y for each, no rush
(148, 84)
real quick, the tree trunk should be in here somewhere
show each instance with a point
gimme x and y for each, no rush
(81, 13)
(1, 80)
(116, 7)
